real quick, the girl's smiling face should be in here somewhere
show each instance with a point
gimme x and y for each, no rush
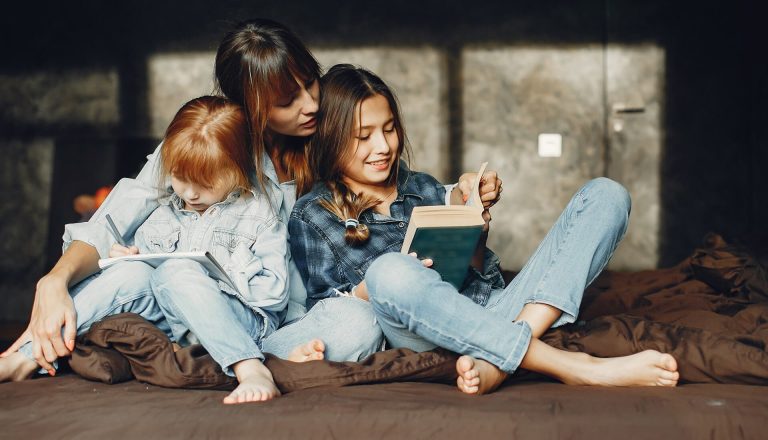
(374, 144)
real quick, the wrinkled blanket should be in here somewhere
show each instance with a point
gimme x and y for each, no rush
(710, 312)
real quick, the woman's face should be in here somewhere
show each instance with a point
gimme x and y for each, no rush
(294, 115)
(374, 143)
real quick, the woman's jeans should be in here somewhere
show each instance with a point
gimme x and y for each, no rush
(120, 288)
(228, 329)
(417, 310)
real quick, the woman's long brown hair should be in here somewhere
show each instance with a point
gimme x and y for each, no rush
(256, 64)
(344, 88)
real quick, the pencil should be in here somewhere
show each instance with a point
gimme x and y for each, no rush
(115, 232)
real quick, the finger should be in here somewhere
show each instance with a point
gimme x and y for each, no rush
(133, 250)
(465, 186)
(70, 331)
(490, 178)
(413, 254)
(57, 345)
(49, 353)
(23, 339)
(427, 262)
(37, 352)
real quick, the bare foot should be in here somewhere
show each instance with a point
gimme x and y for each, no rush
(313, 350)
(16, 367)
(477, 376)
(255, 383)
(647, 368)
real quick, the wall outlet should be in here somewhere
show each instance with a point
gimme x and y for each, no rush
(550, 145)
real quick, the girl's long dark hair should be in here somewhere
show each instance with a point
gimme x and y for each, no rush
(343, 89)
(256, 64)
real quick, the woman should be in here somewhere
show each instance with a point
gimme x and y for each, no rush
(264, 67)
(347, 231)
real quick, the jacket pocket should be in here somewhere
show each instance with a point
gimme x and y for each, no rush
(230, 240)
(166, 243)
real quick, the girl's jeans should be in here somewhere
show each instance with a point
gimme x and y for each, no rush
(197, 311)
(417, 310)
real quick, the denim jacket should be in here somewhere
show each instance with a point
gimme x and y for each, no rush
(132, 201)
(242, 233)
(330, 266)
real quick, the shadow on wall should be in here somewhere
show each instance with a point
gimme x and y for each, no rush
(479, 81)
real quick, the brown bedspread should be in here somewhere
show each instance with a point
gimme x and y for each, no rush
(710, 312)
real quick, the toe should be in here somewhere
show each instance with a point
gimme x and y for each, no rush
(464, 364)
(667, 382)
(668, 362)
(669, 375)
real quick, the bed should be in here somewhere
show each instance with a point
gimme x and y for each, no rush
(710, 311)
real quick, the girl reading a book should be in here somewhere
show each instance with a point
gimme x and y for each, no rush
(346, 234)
(266, 69)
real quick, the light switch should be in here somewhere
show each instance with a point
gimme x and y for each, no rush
(550, 145)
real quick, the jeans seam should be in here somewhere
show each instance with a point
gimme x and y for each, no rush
(540, 286)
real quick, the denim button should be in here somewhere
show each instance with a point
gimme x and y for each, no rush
(401, 225)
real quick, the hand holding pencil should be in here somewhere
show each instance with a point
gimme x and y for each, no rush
(121, 248)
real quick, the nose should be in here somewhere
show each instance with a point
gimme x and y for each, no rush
(191, 192)
(309, 104)
(381, 143)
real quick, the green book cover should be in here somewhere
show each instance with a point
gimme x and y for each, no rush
(451, 248)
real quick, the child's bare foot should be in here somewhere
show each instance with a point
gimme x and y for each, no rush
(16, 367)
(255, 383)
(647, 368)
(477, 376)
(313, 350)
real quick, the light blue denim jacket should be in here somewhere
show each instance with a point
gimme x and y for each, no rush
(242, 233)
(132, 201)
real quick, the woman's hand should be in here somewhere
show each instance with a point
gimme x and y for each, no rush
(490, 187)
(121, 251)
(53, 309)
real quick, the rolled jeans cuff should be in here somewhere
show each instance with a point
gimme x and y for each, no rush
(520, 348)
(232, 360)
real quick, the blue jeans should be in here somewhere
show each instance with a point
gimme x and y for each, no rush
(347, 326)
(118, 289)
(417, 310)
(198, 312)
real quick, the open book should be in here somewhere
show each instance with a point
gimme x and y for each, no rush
(447, 234)
(204, 258)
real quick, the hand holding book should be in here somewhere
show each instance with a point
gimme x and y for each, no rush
(448, 235)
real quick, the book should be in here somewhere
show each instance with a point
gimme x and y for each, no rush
(447, 234)
(204, 258)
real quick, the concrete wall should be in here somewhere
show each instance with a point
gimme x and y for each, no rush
(86, 94)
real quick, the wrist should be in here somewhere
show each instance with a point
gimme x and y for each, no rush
(57, 276)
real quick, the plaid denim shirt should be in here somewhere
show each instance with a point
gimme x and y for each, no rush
(329, 266)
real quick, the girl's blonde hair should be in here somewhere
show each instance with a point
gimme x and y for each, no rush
(343, 89)
(207, 143)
